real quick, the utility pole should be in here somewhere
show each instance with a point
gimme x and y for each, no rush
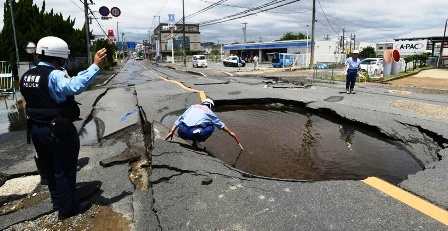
(183, 28)
(313, 27)
(86, 15)
(351, 39)
(172, 44)
(343, 40)
(244, 32)
(14, 33)
(307, 43)
(118, 34)
(442, 45)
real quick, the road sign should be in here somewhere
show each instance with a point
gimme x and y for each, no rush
(104, 11)
(115, 11)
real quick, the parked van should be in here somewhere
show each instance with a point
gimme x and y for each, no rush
(199, 61)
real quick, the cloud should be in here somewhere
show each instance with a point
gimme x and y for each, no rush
(371, 21)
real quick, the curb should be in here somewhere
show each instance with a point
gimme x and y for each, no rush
(197, 73)
(405, 75)
(228, 73)
(107, 80)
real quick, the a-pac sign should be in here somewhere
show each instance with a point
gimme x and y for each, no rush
(411, 47)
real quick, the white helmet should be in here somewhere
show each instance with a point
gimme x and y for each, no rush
(355, 52)
(208, 102)
(52, 46)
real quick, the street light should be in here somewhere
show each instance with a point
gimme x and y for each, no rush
(30, 48)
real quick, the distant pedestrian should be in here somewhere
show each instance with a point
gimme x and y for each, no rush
(352, 67)
(198, 123)
(255, 63)
(51, 110)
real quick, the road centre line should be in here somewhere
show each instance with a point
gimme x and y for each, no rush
(409, 199)
(202, 94)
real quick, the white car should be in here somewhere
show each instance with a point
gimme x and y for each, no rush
(199, 61)
(373, 66)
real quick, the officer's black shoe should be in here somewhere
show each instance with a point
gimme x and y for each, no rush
(83, 207)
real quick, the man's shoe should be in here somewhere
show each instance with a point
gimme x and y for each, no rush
(348, 92)
(352, 92)
(83, 207)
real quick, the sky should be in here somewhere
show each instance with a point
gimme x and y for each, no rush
(371, 21)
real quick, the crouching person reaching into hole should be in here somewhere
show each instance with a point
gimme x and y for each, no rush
(51, 110)
(198, 123)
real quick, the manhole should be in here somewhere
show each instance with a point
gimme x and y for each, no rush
(290, 143)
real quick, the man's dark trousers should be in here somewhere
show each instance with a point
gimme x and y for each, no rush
(57, 148)
(352, 74)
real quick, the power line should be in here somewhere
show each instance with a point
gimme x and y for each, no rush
(207, 8)
(203, 10)
(326, 17)
(270, 12)
(96, 19)
(74, 3)
(247, 13)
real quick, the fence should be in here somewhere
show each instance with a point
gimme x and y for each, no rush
(303, 60)
(6, 79)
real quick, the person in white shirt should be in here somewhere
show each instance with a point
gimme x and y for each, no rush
(352, 67)
(255, 59)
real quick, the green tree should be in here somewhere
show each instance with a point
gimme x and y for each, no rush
(33, 23)
(368, 52)
(292, 36)
(111, 49)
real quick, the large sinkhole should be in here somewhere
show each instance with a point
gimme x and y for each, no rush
(289, 142)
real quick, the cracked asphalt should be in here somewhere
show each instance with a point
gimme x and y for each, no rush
(190, 190)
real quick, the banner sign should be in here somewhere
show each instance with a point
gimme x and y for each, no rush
(411, 47)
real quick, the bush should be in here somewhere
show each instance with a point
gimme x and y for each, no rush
(111, 49)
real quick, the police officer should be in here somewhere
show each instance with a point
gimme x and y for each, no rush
(51, 108)
(198, 123)
(352, 67)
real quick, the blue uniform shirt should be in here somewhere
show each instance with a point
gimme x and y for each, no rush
(199, 115)
(61, 85)
(353, 64)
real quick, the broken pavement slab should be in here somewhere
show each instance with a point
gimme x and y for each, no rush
(20, 186)
(181, 201)
(129, 155)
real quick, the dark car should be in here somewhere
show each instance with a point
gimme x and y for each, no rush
(234, 61)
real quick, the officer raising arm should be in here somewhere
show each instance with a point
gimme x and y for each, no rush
(51, 109)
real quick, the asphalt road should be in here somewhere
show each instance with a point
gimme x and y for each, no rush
(190, 190)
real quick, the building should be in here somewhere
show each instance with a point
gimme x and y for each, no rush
(325, 51)
(382, 46)
(162, 39)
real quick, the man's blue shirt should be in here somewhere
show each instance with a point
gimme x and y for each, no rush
(60, 85)
(197, 115)
(352, 64)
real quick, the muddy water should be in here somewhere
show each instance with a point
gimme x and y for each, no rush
(285, 142)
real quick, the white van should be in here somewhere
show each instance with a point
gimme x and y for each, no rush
(199, 61)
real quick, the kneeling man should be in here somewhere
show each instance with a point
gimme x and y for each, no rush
(198, 123)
